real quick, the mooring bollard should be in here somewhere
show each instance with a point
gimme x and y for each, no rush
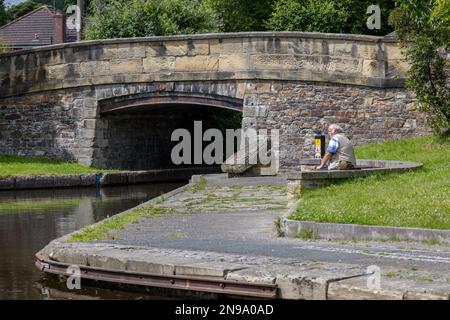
(98, 177)
(319, 145)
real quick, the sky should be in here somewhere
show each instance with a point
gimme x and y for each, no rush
(9, 2)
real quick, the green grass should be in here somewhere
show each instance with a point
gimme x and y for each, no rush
(413, 199)
(278, 228)
(199, 186)
(102, 230)
(26, 166)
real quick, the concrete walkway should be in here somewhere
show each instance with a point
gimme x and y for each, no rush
(227, 225)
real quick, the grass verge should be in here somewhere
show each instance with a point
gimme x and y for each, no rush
(26, 166)
(102, 230)
(417, 199)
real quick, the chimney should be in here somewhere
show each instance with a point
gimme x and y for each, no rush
(59, 28)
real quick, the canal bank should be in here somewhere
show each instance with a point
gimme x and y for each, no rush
(218, 235)
(101, 179)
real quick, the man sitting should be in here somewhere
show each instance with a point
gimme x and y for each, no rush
(340, 152)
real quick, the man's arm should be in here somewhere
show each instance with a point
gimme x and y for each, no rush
(332, 149)
(325, 160)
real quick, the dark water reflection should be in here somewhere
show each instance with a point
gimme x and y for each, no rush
(30, 219)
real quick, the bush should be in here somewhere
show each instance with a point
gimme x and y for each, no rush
(345, 16)
(241, 15)
(140, 18)
(423, 29)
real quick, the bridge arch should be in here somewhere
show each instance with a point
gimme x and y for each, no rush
(166, 101)
(133, 130)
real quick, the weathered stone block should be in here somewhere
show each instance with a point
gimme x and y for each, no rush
(155, 64)
(126, 66)
(370, 51)
(250, 100)
(110, 51)
(151, 267)
(251, 276)
(358, 290)
(90, 68)
(198, 47)
(344, 48)
(176, 48)
(197, 63)
(63, 71)
(70, 256)
(275, 61)
(232, 63)
(210, 269)
(240, 90)
(300, 287)
(155, 49)
(127, 51)
(258, 87)
(226, 46)
(373, 68)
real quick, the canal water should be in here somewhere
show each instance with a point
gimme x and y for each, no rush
(30, 219)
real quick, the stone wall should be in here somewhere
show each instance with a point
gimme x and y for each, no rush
(66, 124)
(367, 115)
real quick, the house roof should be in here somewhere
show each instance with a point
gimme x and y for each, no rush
(38, 23)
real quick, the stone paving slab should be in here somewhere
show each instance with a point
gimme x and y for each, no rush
(390, 289)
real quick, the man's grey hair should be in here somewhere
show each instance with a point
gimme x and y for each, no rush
(335, 128)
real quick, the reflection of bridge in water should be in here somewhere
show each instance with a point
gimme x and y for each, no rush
(114, 103)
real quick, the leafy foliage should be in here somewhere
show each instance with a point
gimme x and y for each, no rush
(18, 10)
(345, 16)
(241, 15)
(59, 4)
(423, 29)
(3, 14)
(139, 18)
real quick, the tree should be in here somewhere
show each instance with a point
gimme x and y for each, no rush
(21, 9)
(3, 14)
(423, 31)
(310, 15)
(343, 16)
(59, 4)
(139, 18)
(241, 15)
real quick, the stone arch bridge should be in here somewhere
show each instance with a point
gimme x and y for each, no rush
(114, 103)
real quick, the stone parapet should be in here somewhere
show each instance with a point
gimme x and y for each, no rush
(334, 58)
